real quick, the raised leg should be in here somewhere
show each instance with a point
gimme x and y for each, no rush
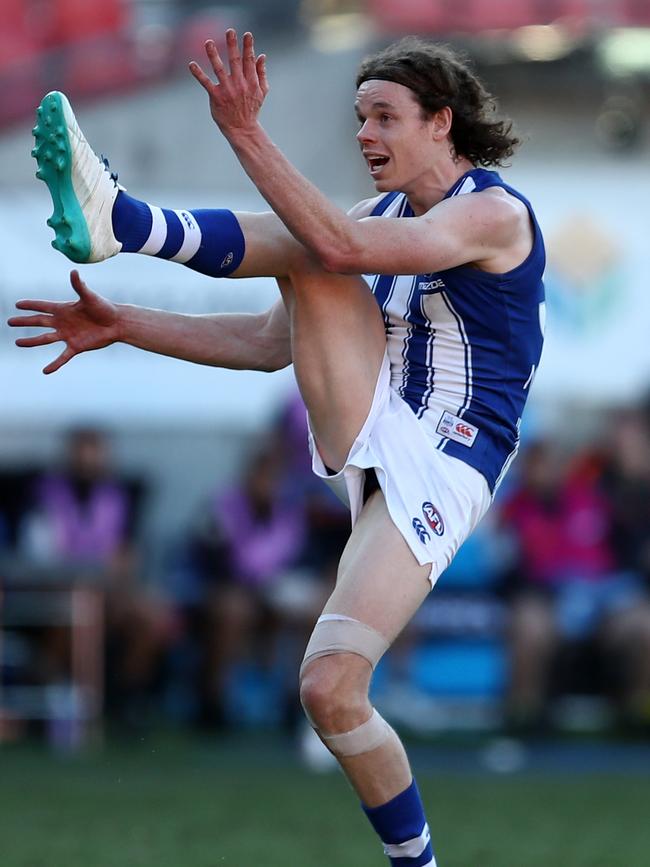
(94, 218)
(338, 343)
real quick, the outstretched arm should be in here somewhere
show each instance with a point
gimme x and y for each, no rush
(240, 341)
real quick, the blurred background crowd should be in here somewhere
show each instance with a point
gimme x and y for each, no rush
(164, 549)
(541, 623)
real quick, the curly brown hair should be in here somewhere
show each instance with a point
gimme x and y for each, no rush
(439, 77)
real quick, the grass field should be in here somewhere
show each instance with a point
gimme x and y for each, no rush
(167, 802)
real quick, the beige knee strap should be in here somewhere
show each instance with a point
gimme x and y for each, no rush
(336, 633)
(366, 737)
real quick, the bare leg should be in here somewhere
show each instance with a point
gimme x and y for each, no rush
(271, 250)
(381, 584)
(627, 633)
(338, 343)
(142, 622)
(533, 640)
(230, 618)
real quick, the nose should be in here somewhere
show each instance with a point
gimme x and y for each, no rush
(365, 134)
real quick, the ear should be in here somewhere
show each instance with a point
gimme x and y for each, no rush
(441, 123)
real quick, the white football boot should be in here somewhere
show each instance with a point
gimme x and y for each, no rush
(82, 187)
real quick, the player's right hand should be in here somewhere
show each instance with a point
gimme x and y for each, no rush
(89, 323)
(238, 93)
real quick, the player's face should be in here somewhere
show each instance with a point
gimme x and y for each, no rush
(396, 142)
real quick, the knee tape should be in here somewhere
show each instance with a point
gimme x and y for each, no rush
(336, 633)
(366, 737)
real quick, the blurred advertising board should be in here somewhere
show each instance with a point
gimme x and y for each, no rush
(598, 309)
(477, 16)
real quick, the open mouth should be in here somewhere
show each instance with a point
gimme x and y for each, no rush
(376, 164)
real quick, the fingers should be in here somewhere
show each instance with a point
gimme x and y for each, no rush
(260, 66)
(240, 63)
(234, 57)
(78, 285)
(216, 62)
(36, 321)
(39, 339)
(200, 76)
(248, 51)
(40, 306)
(58, 362)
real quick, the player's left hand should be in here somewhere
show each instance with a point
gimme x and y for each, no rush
(238, 94)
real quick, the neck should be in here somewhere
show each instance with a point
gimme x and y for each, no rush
(427, 191)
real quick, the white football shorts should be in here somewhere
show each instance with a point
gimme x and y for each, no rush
(434, 500)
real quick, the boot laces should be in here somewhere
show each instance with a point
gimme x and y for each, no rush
(112, 175)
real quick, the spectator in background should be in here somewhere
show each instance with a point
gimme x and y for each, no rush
(85, 515)
(626, 481)
(251, 551)
(15, 485)
(570, 585)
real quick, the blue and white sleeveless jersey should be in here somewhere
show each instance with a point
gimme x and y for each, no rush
(464, 344)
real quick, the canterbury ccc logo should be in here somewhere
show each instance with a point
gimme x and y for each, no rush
(464, 430)
(433, 518)
(421, 530)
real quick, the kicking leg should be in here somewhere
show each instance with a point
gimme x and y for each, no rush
(338, 341)
(94, 218)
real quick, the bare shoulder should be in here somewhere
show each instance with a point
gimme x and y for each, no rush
(508, 228)
(364, 208)
(507, 212)
(494, 201)
(495, 216)
(503, 199)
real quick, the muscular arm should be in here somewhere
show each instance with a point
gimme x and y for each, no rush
(481, 228)
(238, 341)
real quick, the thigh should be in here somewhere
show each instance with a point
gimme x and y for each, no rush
(338, 341)
(380, 582)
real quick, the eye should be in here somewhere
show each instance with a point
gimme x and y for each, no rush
(384, 118)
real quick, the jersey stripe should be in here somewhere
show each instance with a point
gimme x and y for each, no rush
(392, 205)
(467, 352)
(419, 349)
(406, 355)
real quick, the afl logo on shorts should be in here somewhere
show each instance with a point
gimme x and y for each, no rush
(433, 518)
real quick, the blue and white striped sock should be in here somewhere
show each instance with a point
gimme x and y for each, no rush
(402, 828)
(206, 240)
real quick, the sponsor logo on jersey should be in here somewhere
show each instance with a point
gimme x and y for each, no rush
(431, 285)
(433, 518)
(188, 220)
(455, 428)
(420, 529)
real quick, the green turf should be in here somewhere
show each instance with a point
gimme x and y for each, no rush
(179, 804)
